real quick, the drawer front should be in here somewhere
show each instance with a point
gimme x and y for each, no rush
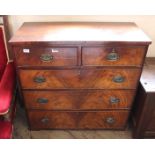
(77, 120)
(109, 56)
(86, 78)
(54, 120)
(65, 56)
(79, 100)
(103, 120)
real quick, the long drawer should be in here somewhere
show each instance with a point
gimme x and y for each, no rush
(77, 120)
(113, 56)
(46, 56)
(80, 78)
(79, 100)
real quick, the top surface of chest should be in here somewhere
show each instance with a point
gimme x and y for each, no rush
(80, 32)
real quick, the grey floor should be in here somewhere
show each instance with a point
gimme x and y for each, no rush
(21, 131)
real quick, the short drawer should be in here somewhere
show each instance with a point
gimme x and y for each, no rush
(113, 56)
(48, 56)
(79, 100)
(78, 120)
(82, 78)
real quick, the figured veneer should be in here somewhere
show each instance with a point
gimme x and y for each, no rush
(79, 78)
(124, 56)
(79, 100)
(78, 120)
(49, 56)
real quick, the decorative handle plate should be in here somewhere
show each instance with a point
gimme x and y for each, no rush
(42, 100)
(118, 79)
(114, 100)
(112, 56)
(110, 120)
(46, 57)
(44, 120)
(39, 79)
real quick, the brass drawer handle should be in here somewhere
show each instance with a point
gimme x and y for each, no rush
(114, 100)
(110, 120)
(46, 57)
(42, 100)
(112, 56)
(44, 120)
(118, 79)
(39, 79)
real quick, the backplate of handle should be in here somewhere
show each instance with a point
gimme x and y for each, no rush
(114, 100)
(110, 120)
(44, 120)
(42, 100)
(39, 79)
(112, 56)
(118, 79)
(46, 57)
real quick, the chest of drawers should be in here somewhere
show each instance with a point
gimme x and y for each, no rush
(78, 75)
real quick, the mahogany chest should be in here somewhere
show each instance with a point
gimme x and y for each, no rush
(78, 75)
(144, 106)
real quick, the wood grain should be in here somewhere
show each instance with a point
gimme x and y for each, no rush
(98, 120)
(77, 120)
(55, 120)
(84, 78)
(127, 56)
(79, 100)
(61, 56)
(80, 31)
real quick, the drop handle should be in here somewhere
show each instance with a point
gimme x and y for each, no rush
(46, 57)
(118, 79)
(44, 120)
(112, 56)
(110, 120)
(42, 100)
(39, 79)
(114, 100)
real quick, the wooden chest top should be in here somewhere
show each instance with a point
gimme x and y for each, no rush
(80, 32)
